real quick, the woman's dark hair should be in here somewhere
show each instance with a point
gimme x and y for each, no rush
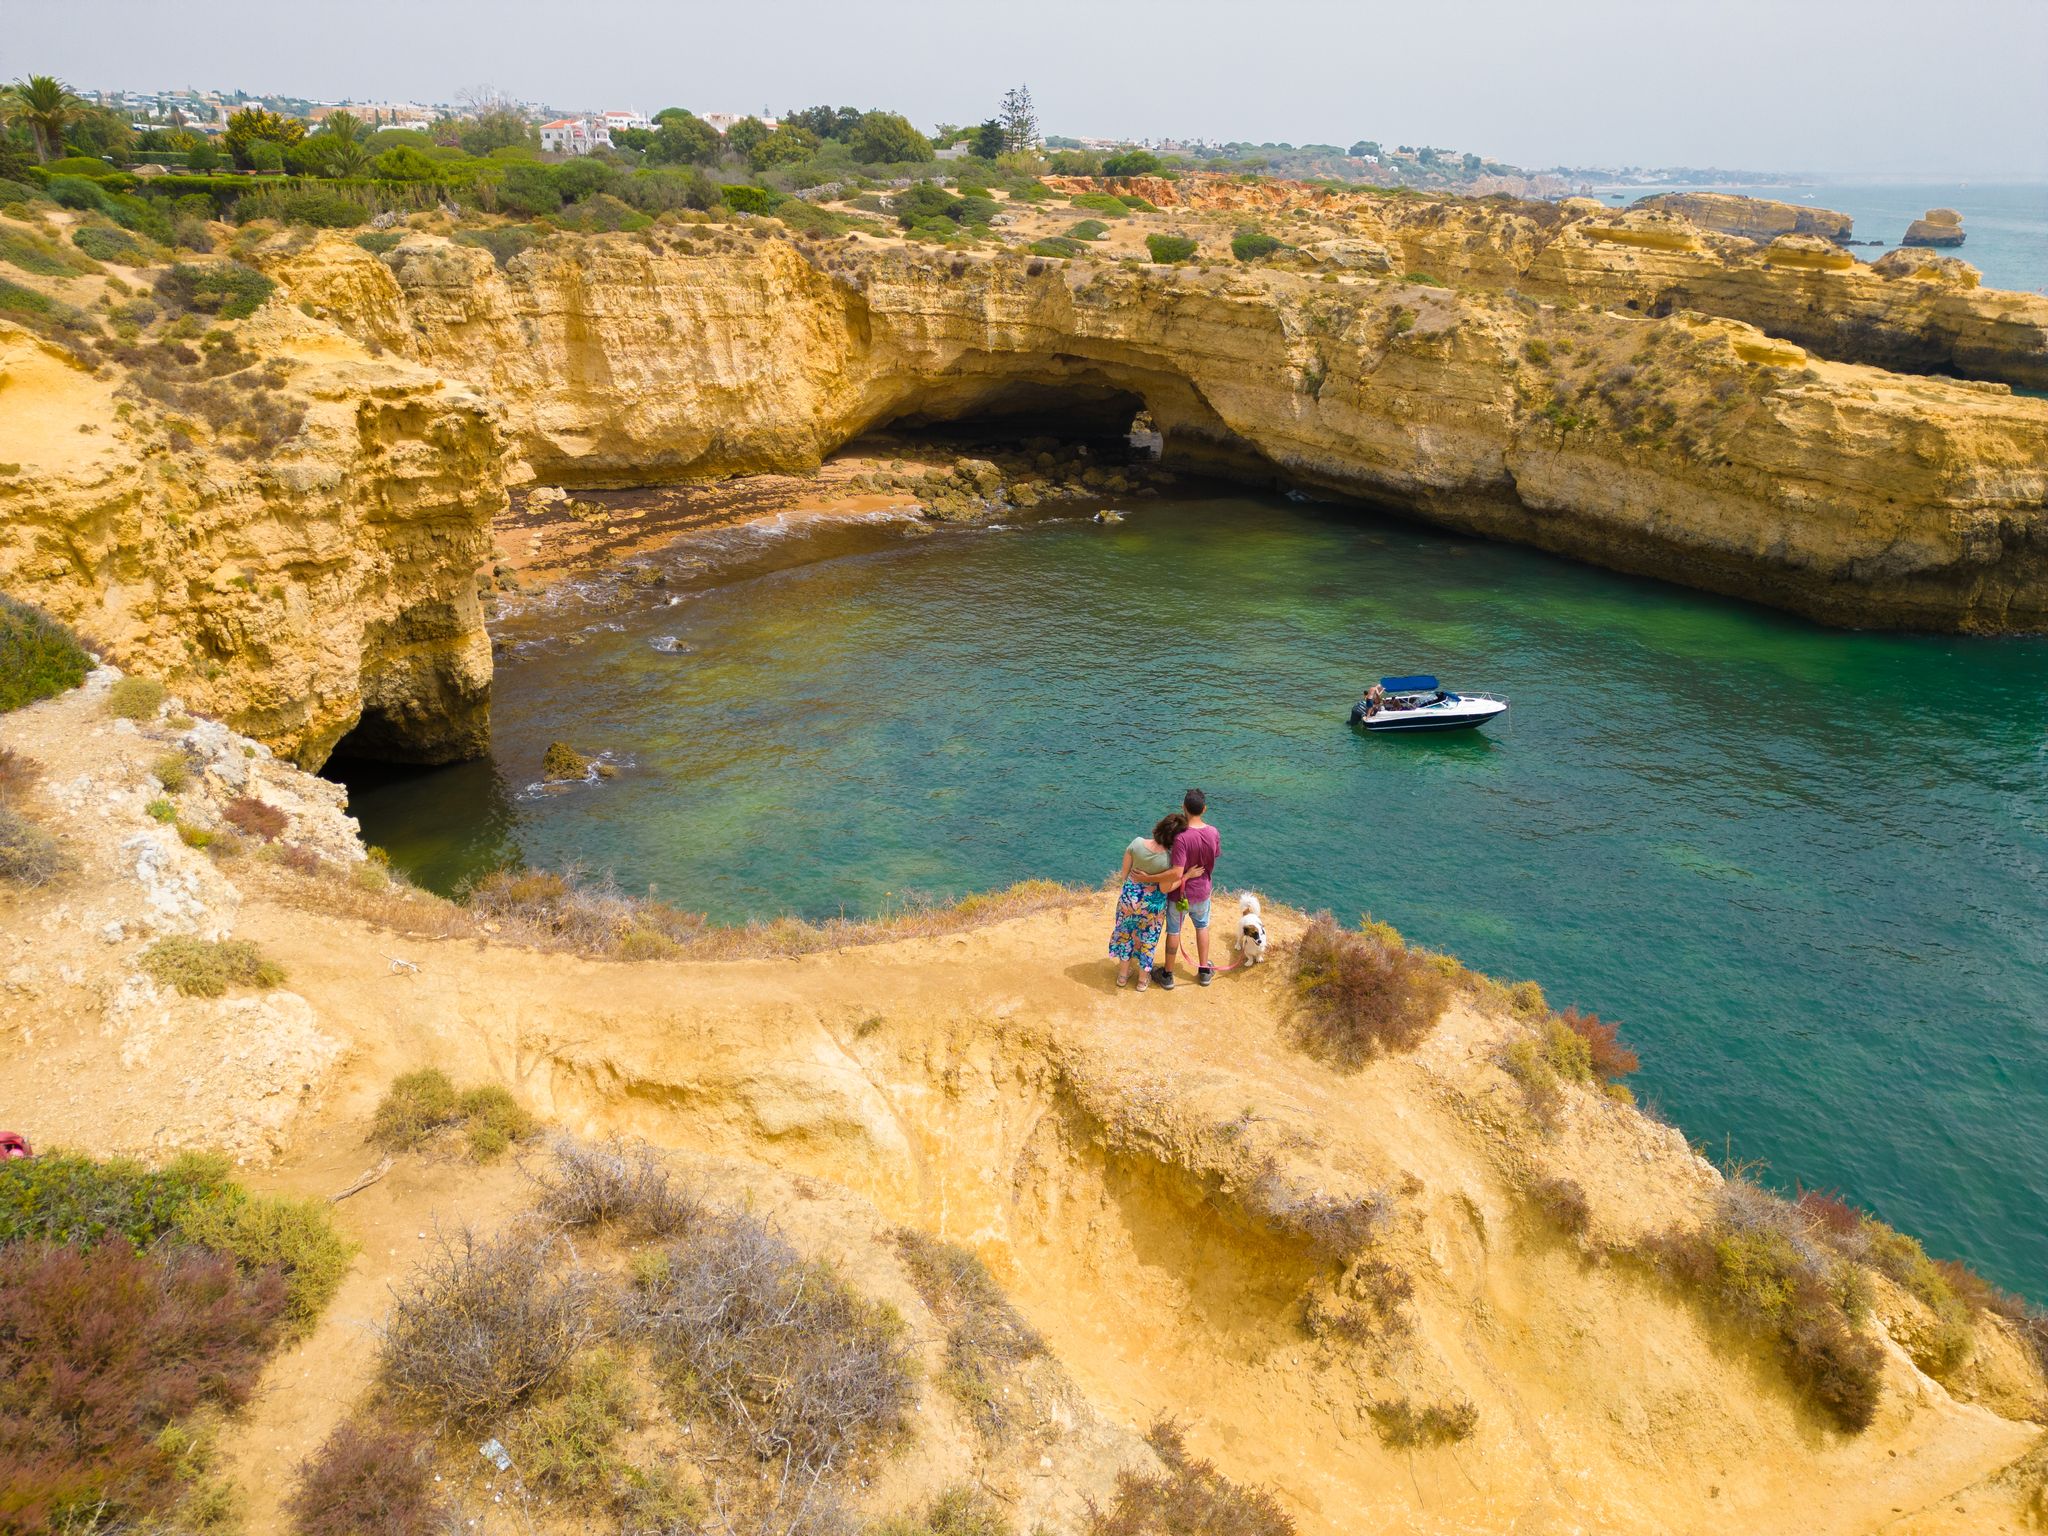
(1170, 828)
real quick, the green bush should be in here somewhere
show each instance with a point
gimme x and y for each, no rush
(91, 167)
(1057, 245)
(1099, 202)
(418, 1104)
(1170, 248)
(62, 1197)
(1136, 203)
(492, 1120)
(1132, 162)
(380, 243)
(741, 198)
(529, 190)
(208, 967)
(294, 1237)
(76, 192)
(976, 210)
(320, 209)
(1089, 229)
(135, 698)
(925, 201)
(226, 289)
(115, 245)
(1253, 245)
(39, 657)
(503, 242)
(601, 214)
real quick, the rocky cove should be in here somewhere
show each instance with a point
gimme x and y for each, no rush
(1442, 1289)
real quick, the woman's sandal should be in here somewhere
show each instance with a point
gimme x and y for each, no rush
(1123, 981)
(1144, 982)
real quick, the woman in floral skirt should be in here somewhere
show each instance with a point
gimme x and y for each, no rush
(1146, 880)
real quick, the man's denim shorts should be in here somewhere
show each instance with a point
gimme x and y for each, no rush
(1198, 910)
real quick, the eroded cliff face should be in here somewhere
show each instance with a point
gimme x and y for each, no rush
(1685, 447)
(325, 583)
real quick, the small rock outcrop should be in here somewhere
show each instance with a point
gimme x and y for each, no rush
(1942, 226)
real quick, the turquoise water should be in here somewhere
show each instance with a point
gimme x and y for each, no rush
(2006, 223)
(1808, 870)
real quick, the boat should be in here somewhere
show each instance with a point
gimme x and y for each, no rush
(1419, 704)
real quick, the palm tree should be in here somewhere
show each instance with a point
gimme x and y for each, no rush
(340, 140)
(47, 105)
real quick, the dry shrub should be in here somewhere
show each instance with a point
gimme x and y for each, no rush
(1188, 1498)
(986, 1336)
(419, 1104)
(300, 859)
(29, 856)
(135, 698)
(566, 1443)
(485, 1323)
(1366, 1305)
(247, 814)
(1759, 1265)
(18, 773)
(208, 967)
(776, 1352)
(368, 1480)
(612, 1182)
(1336, 1228)
(173, 770)
(1404, 1426)
(1563, 1201)
(1363, 994)
(102, 1351)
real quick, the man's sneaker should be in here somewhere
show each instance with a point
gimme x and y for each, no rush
(1205, 975)
(1162, 979)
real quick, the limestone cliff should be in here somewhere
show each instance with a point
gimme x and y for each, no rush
(1942, 226)
(1685, 447)
(317, 578)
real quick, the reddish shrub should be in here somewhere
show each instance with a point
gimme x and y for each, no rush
(1612, 1061)
(1564, 1202)
(367, 1481)
(300, 859)
(247, 814)
(100, 1350)
(1830, 1212)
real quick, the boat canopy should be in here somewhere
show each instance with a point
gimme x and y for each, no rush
(1408, 684)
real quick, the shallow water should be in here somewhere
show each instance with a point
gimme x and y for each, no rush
(1808, 870)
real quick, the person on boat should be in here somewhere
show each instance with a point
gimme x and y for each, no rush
(1144, 884)
(1375, 700)
(1194, 851)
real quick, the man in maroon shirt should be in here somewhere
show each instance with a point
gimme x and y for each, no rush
(1195, 851)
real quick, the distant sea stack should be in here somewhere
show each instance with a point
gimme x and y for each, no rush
(1942, 226)
(1753, 218)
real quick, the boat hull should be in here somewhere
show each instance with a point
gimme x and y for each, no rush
(1464, 715)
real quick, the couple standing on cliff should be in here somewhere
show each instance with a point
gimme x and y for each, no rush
(1165, 883)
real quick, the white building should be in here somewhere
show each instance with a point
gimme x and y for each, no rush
(721, 121)
(575, 135)
(616, 120)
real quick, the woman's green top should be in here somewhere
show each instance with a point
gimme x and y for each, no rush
(1147, 860)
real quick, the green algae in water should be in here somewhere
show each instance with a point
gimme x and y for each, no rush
(1807, 869)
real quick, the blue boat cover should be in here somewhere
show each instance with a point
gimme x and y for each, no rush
(1408, 684)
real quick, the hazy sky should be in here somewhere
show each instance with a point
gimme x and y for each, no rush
(1899, 86)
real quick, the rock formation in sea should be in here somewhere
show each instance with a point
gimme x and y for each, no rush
(1753, 218)
(1942, 226)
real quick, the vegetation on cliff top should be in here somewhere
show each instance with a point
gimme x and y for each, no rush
(39, 657)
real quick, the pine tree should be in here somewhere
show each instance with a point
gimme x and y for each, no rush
(1019, 119)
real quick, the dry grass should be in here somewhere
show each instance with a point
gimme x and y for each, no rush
(1188, 1498)
(1363, 994)
(773, 1353)
(986, 1336)
(1335, 1228)
(1563, 1201)
(956, 1512)
(1367, 1305)
(612, 1183)
(173, 770)
(208, 967)
(486, 1323)
(248, 815)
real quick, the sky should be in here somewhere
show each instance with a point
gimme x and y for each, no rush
(1887, 87)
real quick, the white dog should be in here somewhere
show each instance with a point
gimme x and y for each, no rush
(1251, 931)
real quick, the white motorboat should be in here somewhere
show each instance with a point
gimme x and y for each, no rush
(1418, 704)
